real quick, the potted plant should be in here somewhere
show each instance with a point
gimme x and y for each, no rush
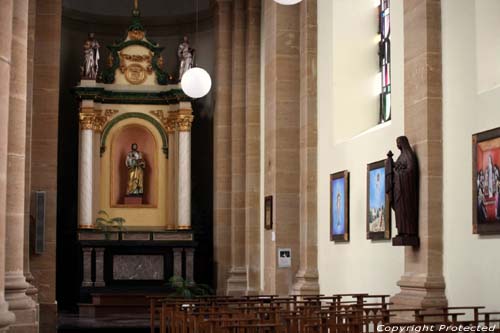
(181, 288)
(106, 223)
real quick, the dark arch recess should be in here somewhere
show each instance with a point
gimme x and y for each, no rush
(142, 116)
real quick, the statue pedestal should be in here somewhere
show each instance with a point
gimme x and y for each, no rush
(133, 200)
(406, 240)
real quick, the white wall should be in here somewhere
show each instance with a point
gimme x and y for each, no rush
(360, 265)
(356, 84)
(471, 104)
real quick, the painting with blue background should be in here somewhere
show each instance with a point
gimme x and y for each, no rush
(377, 189)
(337, 187)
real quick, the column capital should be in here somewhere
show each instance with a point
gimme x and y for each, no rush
(94, 119)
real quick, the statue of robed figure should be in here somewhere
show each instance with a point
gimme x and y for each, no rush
(135, 165)
(402, 187)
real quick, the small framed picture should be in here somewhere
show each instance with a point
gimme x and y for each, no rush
(378, 210)
(284, 258)
(268, 212)
(486, 182)
(339, 206)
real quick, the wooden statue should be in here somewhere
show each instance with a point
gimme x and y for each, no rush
(402, 187)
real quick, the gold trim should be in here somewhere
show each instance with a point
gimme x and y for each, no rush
(183, 227)
(87, 227)
(183, 123)
(87, 121)
(91, 119)
(136, 34)
(170, 227)
(135, 74)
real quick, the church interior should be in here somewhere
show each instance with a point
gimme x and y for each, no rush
(248, 166)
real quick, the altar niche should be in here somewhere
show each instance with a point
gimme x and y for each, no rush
(146, 209)
(125, 190)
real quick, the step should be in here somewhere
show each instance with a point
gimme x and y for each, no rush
(102, 310)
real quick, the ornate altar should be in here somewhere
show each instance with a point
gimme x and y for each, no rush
(134, 163)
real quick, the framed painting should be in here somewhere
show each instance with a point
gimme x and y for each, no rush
(378, 210)
(268, 212)
(486, 182)
(339, 206)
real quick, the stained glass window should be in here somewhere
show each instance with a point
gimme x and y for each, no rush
(385, 60)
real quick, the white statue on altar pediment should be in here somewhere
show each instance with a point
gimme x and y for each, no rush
(91, 58)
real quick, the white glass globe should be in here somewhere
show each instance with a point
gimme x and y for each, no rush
(288, 2)
(196, 82)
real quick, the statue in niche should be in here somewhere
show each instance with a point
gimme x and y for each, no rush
(135, 165)
(186, 57)
(91, 58)
(402, 187)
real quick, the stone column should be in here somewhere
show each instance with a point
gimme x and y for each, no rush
(222, 143)
(171, 206)
(99, 267)
(6, 9)
(87, 267)
(21, 304)
(189, 265)
(44, 150)
(32, 291)
(237, 281)
(184, 170)
(177, 261)
(252, 145)
(422, 284)
(307, 276)
(282, 134)
(85, 188)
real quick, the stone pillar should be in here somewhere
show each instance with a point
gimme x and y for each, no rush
(85, 188)
(222, 143)
(6, 9)
(307, 276)
(237, 281)
(21, 304)
(44, 149)
(87, 267)
(252, 145)
(184, 170)
(422, 284)
(177, 261)
(32, 291)
(99, 267)
(282, 121)
(189, 265)
(171, 176)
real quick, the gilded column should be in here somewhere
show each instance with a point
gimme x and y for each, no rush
(21, 304)
(6, 8)
(85, 200)
(184, 121)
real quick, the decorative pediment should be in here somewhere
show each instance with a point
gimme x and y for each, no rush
(136, 58)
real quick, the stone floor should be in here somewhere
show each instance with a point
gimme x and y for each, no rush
(72, 323)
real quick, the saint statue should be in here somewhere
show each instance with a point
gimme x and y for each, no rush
(402, 187)
(91, 58)
(186, 57)
(135, 165)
